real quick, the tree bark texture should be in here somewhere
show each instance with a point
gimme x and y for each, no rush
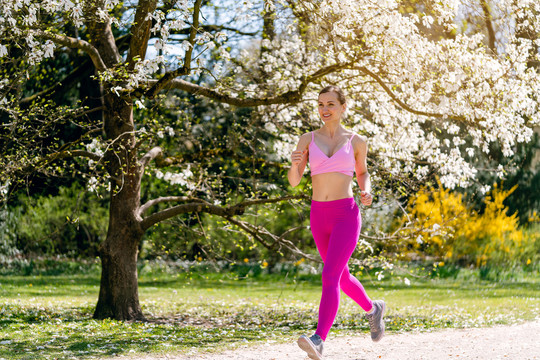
(118, 295)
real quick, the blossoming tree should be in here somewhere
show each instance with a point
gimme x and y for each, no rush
(428, 101)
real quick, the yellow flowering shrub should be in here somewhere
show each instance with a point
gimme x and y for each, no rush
(449, 229)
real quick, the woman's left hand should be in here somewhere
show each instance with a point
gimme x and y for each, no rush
(366, 198)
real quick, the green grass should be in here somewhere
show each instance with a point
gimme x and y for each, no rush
(47, 316)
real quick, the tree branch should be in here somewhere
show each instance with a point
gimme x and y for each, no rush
(72, 153)
(400, 102)
(76, 44)
(151, 155)
(288, 97)
(489, 25)
(248, 203)
(203, 206)
(258, 231)
(184, 70)
(29, 169)
(140, 32)
(293, 96)
(163, 199)
(213, 28)
(62, 153)
(187, 208)
(192, 35)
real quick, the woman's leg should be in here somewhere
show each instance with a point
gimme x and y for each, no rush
(320, 231)
(341, 244)
(354, 289)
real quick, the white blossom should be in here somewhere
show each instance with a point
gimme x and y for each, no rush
(116, 90)
(169, 130)
(48, 49)
(484, 189)
(270, 127)
(95, 147)
(181, 178)
(186, 45)
(4, 189)
(139, 104)
(500, 171)
(92, 185)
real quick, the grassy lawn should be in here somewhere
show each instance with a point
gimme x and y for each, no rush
(50, 316)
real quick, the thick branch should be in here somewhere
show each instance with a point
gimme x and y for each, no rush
(489, 25)
(289, 97)
(151, 155)
(184, 70)
(203, 206)
(100, 33)
(192, 35)
(163, 199)
(187, 208)
(401, 103)
(140, 32)
(76, 44)
(269, 17)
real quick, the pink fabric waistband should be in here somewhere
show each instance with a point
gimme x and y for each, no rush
(333, 203)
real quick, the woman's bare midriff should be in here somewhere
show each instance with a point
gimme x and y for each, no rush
(331, 186)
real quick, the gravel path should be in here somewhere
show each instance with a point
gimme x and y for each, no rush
(520, 342)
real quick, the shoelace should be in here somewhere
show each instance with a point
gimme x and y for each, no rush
(371, 319)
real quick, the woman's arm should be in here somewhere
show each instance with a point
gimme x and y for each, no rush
(299, 158)
(362, 174)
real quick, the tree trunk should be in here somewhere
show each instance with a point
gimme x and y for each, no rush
(118, 295)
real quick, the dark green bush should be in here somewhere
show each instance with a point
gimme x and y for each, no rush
(72, 223)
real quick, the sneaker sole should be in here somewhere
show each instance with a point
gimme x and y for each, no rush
(308, 347)
(378, 338)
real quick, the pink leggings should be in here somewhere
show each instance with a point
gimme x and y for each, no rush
(335, 226)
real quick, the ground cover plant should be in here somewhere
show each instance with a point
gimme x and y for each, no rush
(49, 316)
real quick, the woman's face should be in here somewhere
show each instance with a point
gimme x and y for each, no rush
(330, 109)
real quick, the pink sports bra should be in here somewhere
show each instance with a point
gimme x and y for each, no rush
(342, 161)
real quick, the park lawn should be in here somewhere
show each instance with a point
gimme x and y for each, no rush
(50, 316)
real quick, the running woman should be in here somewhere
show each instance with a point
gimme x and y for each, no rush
(334, 154)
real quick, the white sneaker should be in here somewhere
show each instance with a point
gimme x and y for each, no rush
(312, 345)
(376, 322)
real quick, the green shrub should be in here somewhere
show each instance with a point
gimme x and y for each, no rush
(8, 234)
(72, 223)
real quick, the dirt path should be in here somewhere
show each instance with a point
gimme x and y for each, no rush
(520, 342)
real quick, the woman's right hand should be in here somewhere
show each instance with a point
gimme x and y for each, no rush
(298, 156)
